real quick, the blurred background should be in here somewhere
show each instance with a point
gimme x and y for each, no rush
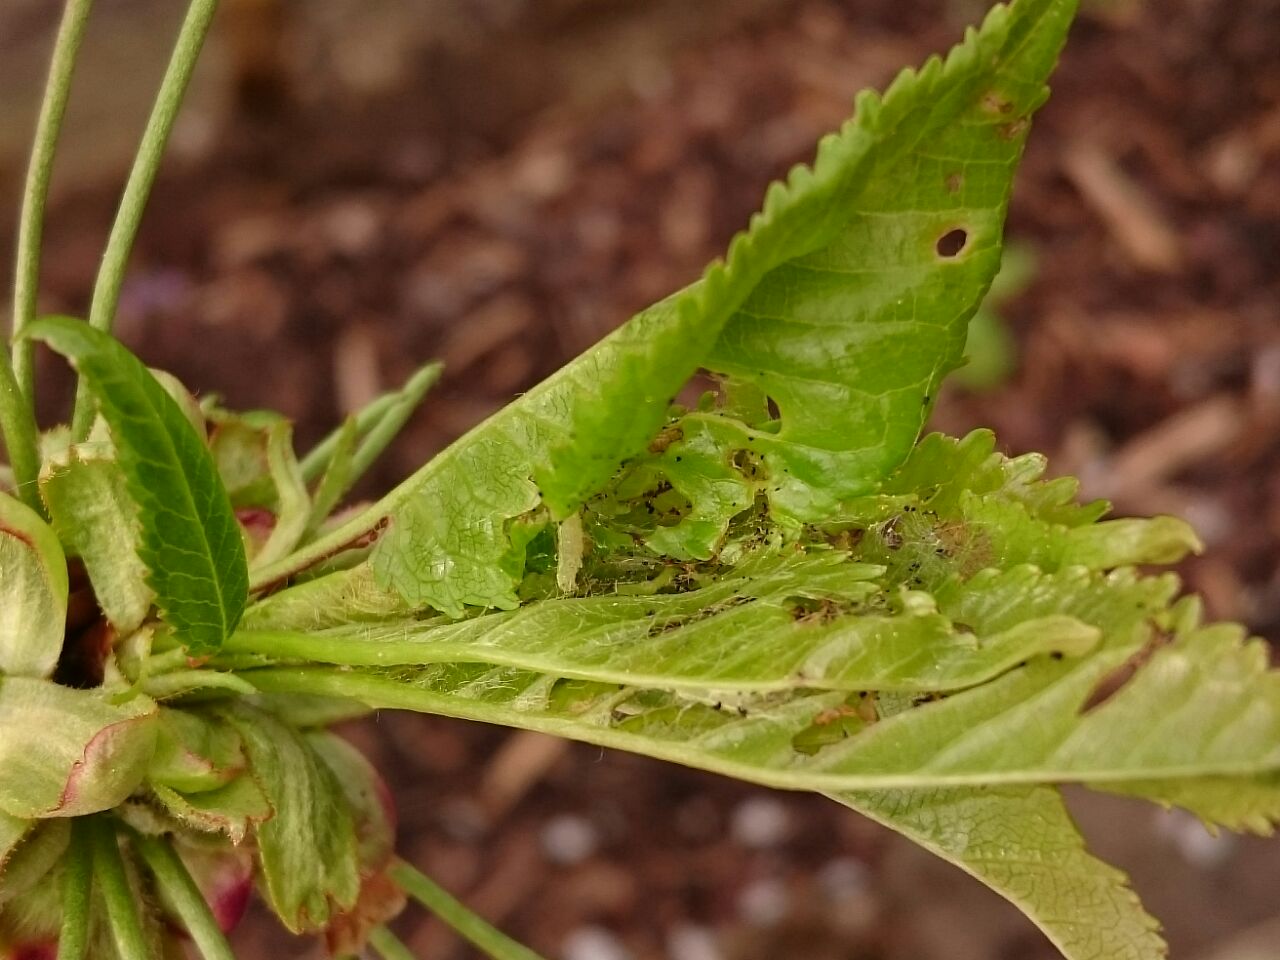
(358, 186)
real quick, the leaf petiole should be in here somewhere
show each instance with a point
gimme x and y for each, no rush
(115, 258)
(77, 889)
(118, 894)
(184, 896)
(388, 945)
(371, 418)
(444, 905)
(26, 279)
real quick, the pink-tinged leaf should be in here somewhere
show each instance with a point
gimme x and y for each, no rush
(194, 754)
(381, 900)
(66, 752)
(33, 592)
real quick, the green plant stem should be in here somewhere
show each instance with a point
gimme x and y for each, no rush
(318, 458)
(178, 682)
(18, 424)
(184, 896)
(106, 288)
(388, 945)
(385, 429)
(117, 894)
(467, 924)
(369, 417)
(77, 888)
(26, 279)
(335, 541)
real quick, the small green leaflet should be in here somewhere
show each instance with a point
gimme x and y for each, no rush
(308, 847)
(33, 592)
(190, 539)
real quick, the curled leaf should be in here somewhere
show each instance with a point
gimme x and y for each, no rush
(33, 592)
(66, 752)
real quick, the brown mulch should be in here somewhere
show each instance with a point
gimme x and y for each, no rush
(318, 252)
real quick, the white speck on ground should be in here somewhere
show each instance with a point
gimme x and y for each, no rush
(594, 943)
(761, 822)
(569, 839)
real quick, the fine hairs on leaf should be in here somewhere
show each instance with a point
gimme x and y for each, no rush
(785, 583)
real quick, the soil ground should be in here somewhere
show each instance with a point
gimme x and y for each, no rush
(498, 183)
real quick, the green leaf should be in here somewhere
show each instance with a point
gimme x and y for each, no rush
(13, 830)
(233, 810)
(813, 304)
(190, 539)
(30, 862)
(87, 497)
(1242, 804)
(194, 753)
(308, 848)
(238, 444)
(1206, 701)
(366, 795)
(338, 474)
(1021, 842)
(65, 752)
(345, 596)
(293, 505)
(33, 592)
(31, 906)
(775, 624)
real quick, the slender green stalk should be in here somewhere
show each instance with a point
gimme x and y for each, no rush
(26, 279)
(336, 481)
(444, 905)
(382, 418)
(18, 424)
(117, 894)
(317, 460)
(386, 428)
(336, 540)
(77, 888)
(183, 681)
(388, 945)
(184, 896)
(106, 289)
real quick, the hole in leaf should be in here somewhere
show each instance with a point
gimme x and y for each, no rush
(774, 412)
(951, 243)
